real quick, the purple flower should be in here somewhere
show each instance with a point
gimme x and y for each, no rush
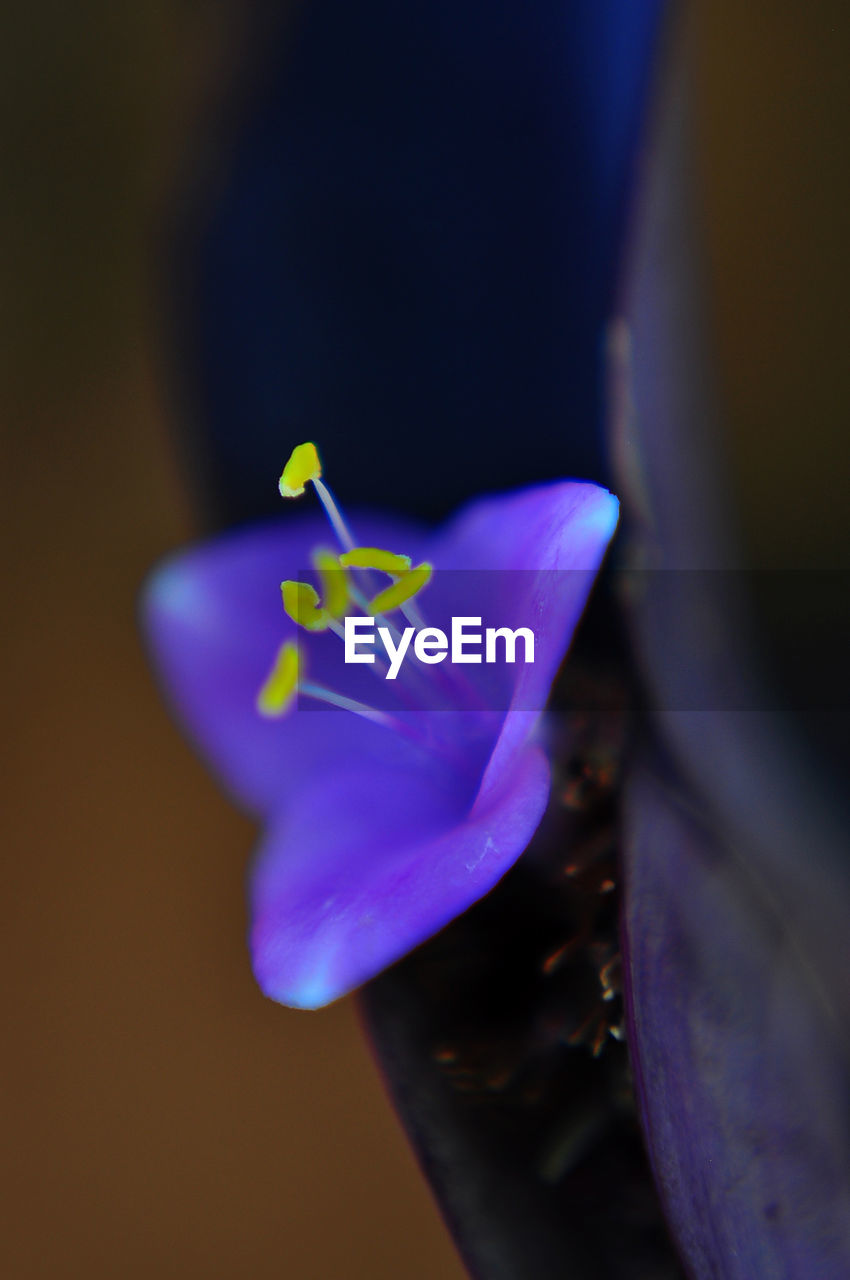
(380, 824)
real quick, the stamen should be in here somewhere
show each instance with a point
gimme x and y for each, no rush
(301, 602)
(397, 566)
(315, 612)
(407, 586)
(303, 465)
(275, 697)
(333, 513)
(323, 694)
(375, 558)
(334, 582)
(281, 685)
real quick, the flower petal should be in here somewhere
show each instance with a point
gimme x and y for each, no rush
(214, 621)
(369, 863)
(536, 554)
(741, 1069)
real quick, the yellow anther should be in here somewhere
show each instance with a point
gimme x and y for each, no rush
(400, 592)
(276, 695)
(334, 581)
(301, 602)
(303, 465)
(375, 558)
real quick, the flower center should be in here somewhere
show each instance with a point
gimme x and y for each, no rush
(347, 587)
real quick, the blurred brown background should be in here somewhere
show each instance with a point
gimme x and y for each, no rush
(160, 1117)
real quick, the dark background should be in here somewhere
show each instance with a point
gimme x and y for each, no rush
(160, 1117)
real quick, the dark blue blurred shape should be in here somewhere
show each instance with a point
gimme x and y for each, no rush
(414, 249)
